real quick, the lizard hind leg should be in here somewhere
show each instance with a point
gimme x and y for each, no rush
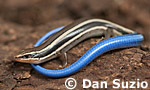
(111, 32)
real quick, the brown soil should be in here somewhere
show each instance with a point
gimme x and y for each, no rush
(23, 22)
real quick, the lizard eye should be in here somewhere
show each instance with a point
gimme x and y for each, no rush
(26, 56)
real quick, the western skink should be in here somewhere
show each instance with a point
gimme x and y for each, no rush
(58, 44)
(121, 41)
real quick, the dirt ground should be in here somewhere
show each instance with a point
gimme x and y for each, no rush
(23, 22)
